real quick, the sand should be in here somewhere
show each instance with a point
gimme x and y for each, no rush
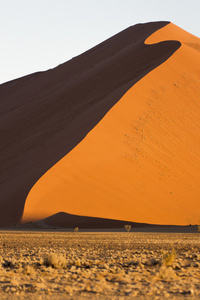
(141, 162)
(61, 265)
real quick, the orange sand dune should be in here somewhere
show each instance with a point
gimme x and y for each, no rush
(141, 162)
(43, 116)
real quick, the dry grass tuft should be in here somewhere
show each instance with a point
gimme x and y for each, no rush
(55, 261)
(29, 270)
(169, 258)
(166, 273)
(127, 227)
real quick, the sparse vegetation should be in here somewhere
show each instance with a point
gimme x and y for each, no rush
(98, 265)
(169, 257)
(76, 229)
(55, 260)
(28, 270)
(127, 227)
(166, 273)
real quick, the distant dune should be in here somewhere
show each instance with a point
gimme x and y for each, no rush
(64, 220)
(113, 133)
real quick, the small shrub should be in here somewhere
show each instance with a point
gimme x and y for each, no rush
(29, 270)
(76, 229)
(127, 227)
(166, 273)
(168, 258)
(55, 261)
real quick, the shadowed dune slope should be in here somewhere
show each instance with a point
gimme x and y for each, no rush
(45, 115)
(141, 162)
(64, 220)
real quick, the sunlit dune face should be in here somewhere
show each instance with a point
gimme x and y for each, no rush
(141, 162)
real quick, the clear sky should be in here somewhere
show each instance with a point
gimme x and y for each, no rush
(37, 35)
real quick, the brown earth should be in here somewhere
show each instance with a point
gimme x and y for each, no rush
(129, 265)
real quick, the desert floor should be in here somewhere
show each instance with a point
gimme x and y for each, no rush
(75, 265)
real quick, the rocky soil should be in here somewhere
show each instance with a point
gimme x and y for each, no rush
(74, 265)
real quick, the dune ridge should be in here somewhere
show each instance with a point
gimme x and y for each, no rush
(141, 162)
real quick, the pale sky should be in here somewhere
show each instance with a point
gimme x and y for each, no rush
(36, 35)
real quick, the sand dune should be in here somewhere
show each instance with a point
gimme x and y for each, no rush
(113, 133)
(141, 162)
(45, 115)
(64, 220)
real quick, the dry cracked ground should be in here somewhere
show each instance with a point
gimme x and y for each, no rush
(76, 265)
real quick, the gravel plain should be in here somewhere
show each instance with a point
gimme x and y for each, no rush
(76, 265)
